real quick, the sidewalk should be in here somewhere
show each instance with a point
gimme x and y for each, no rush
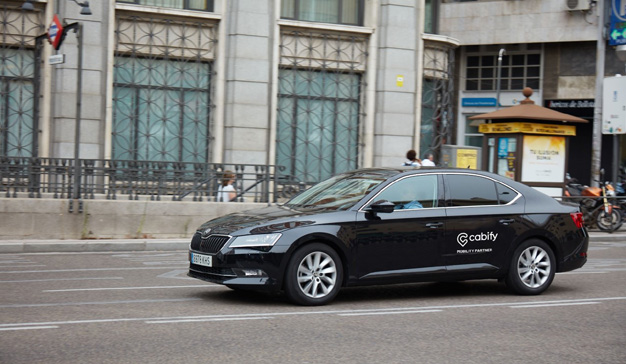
(180, 244)
(92, 245)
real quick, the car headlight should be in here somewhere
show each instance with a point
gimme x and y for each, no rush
(254, 241)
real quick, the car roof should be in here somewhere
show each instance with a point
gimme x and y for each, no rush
(390, 172)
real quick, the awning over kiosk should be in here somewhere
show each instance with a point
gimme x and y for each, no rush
(527, 110)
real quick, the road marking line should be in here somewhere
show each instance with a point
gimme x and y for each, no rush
(60, 279)
(131, 288)
(387, 313)
(28, 305)
(555, 304)
(303, 313)
(209, 320)
(28, 328)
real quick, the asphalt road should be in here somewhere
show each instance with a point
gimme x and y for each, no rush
(139, 307)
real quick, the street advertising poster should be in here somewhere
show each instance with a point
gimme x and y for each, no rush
(544, 158)
(467, 158)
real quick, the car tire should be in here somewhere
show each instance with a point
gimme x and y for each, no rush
(314, 275)
(532, 268)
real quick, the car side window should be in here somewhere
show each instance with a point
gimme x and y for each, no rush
(468, 190)
(505, 194)
(410, 193)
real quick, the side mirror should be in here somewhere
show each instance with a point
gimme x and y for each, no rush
(381, 207)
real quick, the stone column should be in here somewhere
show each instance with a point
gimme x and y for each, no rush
(64, 91)
(247, 94)
(397, 80)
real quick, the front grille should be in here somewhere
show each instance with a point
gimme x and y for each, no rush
(216, 271)
(211, 244)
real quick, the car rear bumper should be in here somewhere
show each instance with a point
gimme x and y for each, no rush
(577, 258)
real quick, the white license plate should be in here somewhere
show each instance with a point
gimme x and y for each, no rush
(204, 260)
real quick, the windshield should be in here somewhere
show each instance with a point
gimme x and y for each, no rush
(337, 193)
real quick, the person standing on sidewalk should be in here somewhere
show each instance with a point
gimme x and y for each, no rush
(428, 161)
(226, 191)
(412, 160)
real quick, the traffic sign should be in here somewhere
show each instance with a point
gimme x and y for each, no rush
(617, 28)
(55, 32)
(56, 59)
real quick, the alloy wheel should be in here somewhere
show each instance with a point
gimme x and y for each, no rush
(534, 267)
(317, 274)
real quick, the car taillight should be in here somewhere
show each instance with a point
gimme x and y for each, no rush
(578, 219)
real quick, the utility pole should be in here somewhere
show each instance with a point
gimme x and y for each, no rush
(596, 151)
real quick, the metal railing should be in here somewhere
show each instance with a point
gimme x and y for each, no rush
(134, 180)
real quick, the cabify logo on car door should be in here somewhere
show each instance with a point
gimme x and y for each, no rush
(464, 238)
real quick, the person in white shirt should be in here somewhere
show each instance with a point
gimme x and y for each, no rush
(428, 161)
(226, 191)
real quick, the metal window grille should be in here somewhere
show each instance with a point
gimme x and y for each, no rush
(205, 5)
(437, 99)
(19, 80)
(162, 89)
(320, 104)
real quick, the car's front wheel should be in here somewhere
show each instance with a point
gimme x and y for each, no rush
(532, 268)
(314, 275)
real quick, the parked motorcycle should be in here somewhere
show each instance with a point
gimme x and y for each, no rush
(595, 205)
(620, 192)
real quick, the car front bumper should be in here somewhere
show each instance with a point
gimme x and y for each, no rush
(241, 268)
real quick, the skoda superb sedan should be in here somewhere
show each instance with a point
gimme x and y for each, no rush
(384, 226)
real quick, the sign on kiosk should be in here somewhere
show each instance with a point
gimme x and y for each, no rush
(614, 105)
(55, 32)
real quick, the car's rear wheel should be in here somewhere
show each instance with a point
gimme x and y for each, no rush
(532, 268)
(314, 275)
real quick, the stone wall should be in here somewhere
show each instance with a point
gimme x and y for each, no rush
(27, 218)
(507, 22)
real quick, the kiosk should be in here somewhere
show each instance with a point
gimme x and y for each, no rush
(528, 143)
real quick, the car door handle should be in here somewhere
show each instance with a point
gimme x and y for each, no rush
(434, 225)
(506, 221)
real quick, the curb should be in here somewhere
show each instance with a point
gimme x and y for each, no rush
(69, 246)
(598, 236)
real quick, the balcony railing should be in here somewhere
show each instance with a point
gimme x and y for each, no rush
(134, 180)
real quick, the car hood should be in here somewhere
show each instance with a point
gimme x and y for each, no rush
(259, 221)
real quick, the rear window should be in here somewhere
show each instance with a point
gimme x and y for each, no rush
(468, 190)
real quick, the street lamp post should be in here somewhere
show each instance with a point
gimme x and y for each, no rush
(500, 54)
(78, 30)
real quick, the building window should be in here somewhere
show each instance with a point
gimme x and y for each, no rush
(318, 123)
(517, 71)
(20, 80)
(430, 114)
(472, 136)
(203, 5)
(320, 103)
(161, 110)
(431, 16)
(162, 89)
(349, 12)
(16, 102)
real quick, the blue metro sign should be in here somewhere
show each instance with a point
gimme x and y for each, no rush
(617, 29)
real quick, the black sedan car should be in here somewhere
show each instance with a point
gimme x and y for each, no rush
(383, 226)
